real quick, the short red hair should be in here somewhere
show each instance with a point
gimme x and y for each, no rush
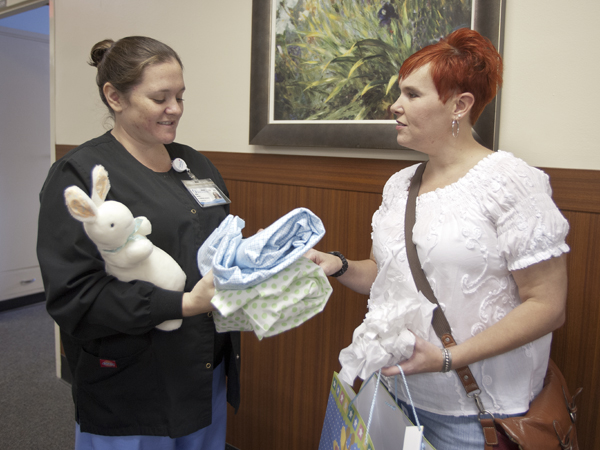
(463, 61)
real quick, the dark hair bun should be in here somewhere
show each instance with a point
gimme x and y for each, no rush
(99, 50)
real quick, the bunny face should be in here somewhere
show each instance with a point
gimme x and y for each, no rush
(107, 223)
(113, 225)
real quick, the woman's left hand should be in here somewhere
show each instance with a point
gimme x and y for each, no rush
(426, 357)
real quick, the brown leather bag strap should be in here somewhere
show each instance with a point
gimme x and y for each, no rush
(439, 322)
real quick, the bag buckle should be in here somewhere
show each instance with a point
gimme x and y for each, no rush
(571, 406)
(482, 411)
(488, 425)
(565, 440)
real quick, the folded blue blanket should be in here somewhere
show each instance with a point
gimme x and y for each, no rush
(239, 263)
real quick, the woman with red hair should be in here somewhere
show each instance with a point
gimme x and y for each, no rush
(489, 238)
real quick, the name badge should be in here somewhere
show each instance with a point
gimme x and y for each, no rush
(206, 192)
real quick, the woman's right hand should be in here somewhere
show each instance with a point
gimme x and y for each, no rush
(198, 300)
(329, 263)
(359, 276)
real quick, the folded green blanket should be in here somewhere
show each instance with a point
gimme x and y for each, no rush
(280, 303)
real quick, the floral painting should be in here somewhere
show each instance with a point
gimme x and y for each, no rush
(338, 60)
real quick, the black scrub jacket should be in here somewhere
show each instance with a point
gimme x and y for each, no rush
(128, 377)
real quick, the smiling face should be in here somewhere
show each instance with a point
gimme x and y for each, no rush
(148, 115)
(423, 121)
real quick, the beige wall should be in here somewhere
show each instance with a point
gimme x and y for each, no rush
(548, 102)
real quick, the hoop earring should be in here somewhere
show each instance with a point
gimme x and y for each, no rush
(455, 126)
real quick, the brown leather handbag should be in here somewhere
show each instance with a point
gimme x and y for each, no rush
(550, 422)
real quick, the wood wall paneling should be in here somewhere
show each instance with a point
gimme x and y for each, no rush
(286, 378)
(576, 346)
(576, 190)
(61, 150)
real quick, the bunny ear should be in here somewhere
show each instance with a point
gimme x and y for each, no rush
(101, 184)
(80, 205)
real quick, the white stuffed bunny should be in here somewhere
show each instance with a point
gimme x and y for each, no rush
(128, 254)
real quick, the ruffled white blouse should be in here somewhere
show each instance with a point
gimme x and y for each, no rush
(469, 235)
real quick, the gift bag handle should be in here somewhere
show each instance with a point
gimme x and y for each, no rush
(412, 405)
(374, 396)
(419, 426)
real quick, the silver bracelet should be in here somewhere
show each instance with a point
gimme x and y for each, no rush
(447, 361)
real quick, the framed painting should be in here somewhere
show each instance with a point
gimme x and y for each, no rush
(324, 72)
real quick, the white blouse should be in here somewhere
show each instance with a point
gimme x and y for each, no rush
(469, 235)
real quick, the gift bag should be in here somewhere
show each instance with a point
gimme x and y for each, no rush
(343, 428)
(347, 420)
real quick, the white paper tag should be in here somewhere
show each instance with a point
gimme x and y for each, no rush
(413, 438)
(206, 192)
